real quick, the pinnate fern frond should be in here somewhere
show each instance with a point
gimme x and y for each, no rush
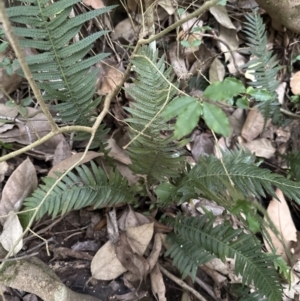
(151, 154)
(265, 65)
(60, 69)
(210, 176)
(87, 187)
(223, 241)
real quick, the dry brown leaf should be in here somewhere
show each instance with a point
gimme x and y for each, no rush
(111, 77)
(229, 37)
(178, 63)
(216, 71)
(3, 170)
(12, 231)
(157, 284)
(295, 83)
(130, 259)
(261, 147)
(202, 144)
(124, 30)
(117, 153)
(67, 163)
(62, 152)
(140, 237)
(168, 6)
(94, 3)
(155, 252)
(22, 182)
(279, 213)
(105, 264)
(253, 126)
(220, 14)
(131, 218)
(26, 133)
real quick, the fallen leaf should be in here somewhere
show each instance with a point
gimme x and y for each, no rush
(111, 76)
(229, 37)
(130, 259)
(34, 128)
(140, 237)
(105, 264)
(155, 252)
(62, 152)
(12, 231)
(124, 30)
(94, 3)
(67, 163)
(295, 83)
(130, 218)
(261, 147)
(220, 14)
(3, 170)
(168, 6)
(157, 284)
(280, 215)
(22, 182)
(216, 71)
(253, 126)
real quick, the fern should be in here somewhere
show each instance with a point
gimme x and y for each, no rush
(88, 188)
(209, 178)
(264, 63)
(151, 154)
(197, 238)
(60, 68)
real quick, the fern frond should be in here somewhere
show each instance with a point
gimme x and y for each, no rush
(209, 176)
(223, 241)
(61, 70)
(264, 65)
(77, 190)
(151, 154)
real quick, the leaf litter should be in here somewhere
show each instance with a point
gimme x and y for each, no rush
(134, 243)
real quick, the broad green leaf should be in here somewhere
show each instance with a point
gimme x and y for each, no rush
(188, 119)
(177, 105)
(228, 88)
(164, 190)
(242, 103)
(261, 94)
(185, 44)
(3, 46)
(216, 119)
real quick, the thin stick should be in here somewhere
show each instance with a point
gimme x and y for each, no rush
(182, 284)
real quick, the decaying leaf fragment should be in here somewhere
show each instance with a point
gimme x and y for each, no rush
(280, 215)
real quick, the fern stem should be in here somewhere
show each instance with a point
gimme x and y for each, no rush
(20, 55)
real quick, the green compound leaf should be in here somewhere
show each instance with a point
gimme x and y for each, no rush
(188, 109)
(260, 94)
(216, 119)
(220, 91)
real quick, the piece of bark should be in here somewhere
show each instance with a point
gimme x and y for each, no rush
(34, 276)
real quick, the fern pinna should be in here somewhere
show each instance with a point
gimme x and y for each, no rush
(151, 154)
(60, 68)
(264, 65)
(212, 178)
(197, 240)
(85, 187)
